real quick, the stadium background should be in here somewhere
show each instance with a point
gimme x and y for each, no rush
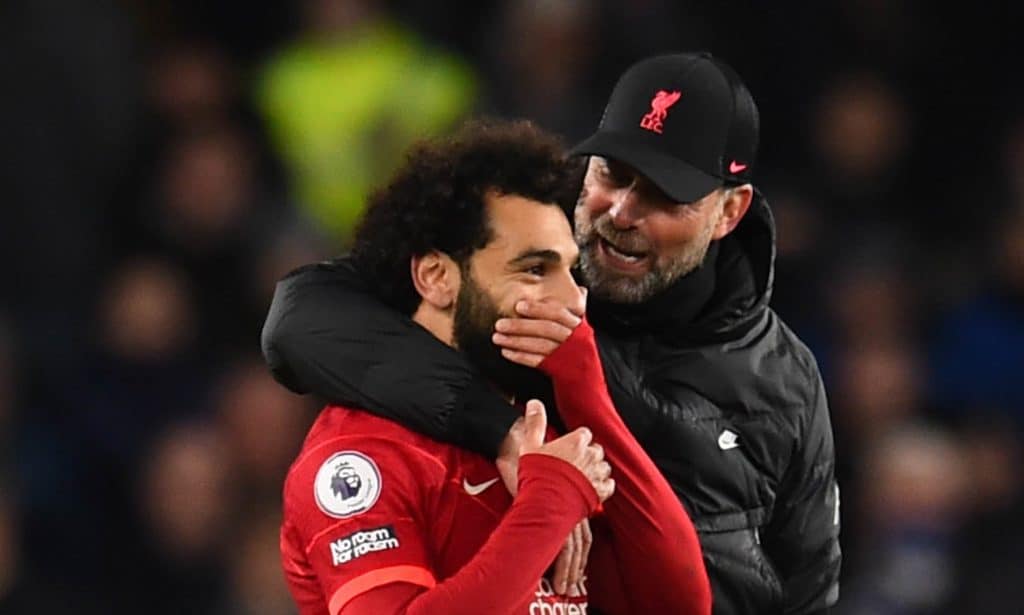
(165, 161)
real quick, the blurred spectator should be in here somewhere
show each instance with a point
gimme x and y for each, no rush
(978, 353)
(874, 388)
(139, 374)
(860, 133)
(871, 297)
(143, 371)
(70, 117)
(914, 493)
(187, 498)
(211, 216)
(345, 99)
(864, 296)
(256, 579)
(192, 83)
(206, 190)
(263, 426)
(877, 387)
(551, 79)
(148, 313)
(861, 129)
(990, 559)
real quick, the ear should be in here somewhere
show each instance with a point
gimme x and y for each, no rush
(436, 278)
(737, 202)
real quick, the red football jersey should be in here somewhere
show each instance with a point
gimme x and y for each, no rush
(369, 502)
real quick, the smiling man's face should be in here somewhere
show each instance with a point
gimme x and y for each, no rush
(634, 240)
(530, 256)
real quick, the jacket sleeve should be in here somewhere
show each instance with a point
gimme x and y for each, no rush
(553, 497)
(656, 554)
(326, 333)
(803, 538)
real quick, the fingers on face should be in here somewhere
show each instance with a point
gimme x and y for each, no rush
(530, 327)
(548, 310)
(527, 359)
(535, 345)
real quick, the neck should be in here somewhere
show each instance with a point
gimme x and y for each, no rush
(438, 322)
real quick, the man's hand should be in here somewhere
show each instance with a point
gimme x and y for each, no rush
(572, 560)
(574, 447)
(527, 435)
(571, 565)
(540, 329)
(508, 455)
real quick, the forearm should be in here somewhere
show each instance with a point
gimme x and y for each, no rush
(654, 540)
(553, 497)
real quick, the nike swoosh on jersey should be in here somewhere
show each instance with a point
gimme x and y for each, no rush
(477, 489)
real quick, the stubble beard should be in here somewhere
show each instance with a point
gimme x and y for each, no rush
(616, 287)
(475, 315)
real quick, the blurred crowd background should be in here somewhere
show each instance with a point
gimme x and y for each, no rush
(165, 161)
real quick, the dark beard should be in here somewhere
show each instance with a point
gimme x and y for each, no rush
(475, 315)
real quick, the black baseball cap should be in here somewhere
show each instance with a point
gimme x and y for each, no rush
(685, 121)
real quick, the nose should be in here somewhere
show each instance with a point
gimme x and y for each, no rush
(570, 294)
(625, 209)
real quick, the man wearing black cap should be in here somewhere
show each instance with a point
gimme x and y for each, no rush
(677, 249)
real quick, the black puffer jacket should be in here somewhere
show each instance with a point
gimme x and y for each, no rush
(724, 397)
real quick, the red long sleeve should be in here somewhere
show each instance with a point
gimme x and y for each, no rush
(553, 497)
(654, 543)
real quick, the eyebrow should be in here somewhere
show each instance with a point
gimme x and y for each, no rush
(549, 256)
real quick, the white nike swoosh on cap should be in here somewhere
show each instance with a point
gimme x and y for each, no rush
(477, 489)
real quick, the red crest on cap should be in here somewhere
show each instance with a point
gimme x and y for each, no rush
(660, 105)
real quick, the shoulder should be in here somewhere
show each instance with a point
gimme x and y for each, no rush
(351, 457)
(790, 347)
(322, 272)
(810, 417)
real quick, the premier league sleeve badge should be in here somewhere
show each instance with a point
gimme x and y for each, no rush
(347, 484)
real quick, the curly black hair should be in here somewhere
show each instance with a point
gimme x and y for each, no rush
(435, 201)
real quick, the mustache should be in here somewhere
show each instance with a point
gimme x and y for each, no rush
(631, 240)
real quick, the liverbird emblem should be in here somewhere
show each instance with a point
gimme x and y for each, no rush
(660, 105)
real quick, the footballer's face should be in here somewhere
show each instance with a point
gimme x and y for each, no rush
(530, 256)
